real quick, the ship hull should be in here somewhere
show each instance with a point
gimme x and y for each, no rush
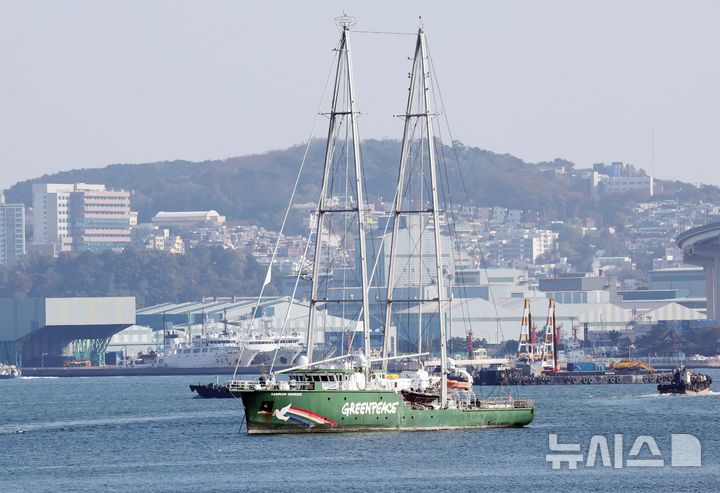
(682, 390)
(329, 411)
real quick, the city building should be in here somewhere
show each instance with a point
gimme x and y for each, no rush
(620, 184)
(691, 279)
(538, 243)
(151, 237)
(410, 247)
(618, 178)
(80, 216)
(99, 220)
(12, 232)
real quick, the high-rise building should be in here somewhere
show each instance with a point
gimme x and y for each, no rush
(99, 220)
(12, 232)
(80, 216)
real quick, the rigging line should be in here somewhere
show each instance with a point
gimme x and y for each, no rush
(425, 268)
(373, 251)
(333, 260)
(467, 195)
(404, 329)
(335, 166)
(447, 196)
(294, 292)
(375, 265)
(413, 157)
(372, 113)
(284, 221)
(390, 33)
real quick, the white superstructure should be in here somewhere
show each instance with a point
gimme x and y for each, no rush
(225, 350)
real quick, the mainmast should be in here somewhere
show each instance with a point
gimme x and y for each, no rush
(418, 115)
(343, 117)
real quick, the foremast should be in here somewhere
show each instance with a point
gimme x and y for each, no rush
(418, 114)
(343, 114)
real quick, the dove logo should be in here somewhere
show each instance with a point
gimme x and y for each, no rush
(301, 416)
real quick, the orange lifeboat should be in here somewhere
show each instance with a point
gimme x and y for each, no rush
(460, 380)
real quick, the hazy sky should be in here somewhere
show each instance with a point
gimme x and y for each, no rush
(89, 83)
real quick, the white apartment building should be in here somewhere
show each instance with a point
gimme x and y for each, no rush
(540, 242)
(80, 216)
(51, 211)
(600, 183)
(616, 184)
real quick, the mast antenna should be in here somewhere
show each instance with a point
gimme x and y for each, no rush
(345, 21)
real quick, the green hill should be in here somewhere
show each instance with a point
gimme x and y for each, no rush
(256, 188)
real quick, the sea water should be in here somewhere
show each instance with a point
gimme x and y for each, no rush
(151, 434)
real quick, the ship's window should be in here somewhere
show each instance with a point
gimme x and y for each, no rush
(196, 350)
(204, 350)
(324, 378)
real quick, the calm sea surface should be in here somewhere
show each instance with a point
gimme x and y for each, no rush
(150, 434)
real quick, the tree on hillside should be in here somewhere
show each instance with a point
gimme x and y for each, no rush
(151, 276)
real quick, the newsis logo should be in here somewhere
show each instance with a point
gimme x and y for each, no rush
(685, 451)
(350, 408)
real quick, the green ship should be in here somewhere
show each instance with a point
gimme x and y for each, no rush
(306, 404)
(346, 394)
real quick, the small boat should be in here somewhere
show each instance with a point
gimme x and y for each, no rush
(459, 380)
(420, 397)
(211, 391)
(685, 381)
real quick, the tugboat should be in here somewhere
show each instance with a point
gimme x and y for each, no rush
(685, 381)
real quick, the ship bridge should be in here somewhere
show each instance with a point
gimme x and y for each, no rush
(701, 246)
(43, 331)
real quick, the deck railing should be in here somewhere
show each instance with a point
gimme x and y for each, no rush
(239, 385)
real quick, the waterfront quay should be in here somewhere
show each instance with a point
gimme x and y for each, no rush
(139, 371)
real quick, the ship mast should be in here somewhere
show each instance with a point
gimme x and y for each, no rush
(343, 115)
(418, 114)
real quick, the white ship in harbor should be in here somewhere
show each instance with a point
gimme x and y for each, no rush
(229, 350)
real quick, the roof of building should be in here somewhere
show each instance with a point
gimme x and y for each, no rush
(198, 215)
(504, 317)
